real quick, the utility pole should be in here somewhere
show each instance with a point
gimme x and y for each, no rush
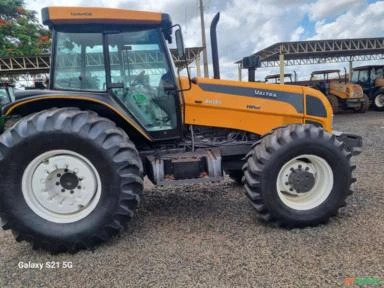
(203, 40)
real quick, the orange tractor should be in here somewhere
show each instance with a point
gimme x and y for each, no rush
(72, 163)
(342, 94)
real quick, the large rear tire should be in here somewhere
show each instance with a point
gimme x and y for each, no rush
(298, 176)
(70, 179)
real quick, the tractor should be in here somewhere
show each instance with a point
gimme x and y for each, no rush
(371, 79)
(73, 160)
(341, 94)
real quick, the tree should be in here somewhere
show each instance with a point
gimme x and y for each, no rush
(21, 34)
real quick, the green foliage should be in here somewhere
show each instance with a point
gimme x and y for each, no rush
(20, 32)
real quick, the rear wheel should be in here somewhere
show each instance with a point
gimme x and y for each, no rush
(76, 187)
(298, 176)
(378, 102)
(334, 103)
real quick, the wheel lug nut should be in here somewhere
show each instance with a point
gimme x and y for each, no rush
(57, 183)
(65, 170)
(62, 190)
(286, 183)
(78, 187)
(59, 175)
(71, 192)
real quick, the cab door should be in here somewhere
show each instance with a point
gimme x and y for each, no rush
(142, 81)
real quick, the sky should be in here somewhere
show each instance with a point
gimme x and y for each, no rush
(247, 26)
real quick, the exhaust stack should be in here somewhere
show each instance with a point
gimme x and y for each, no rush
(215, 52)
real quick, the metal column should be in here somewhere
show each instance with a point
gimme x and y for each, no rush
(281, 59)
(239, 71)
(198, 68)
(350, 68)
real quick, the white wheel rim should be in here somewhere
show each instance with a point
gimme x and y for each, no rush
(379, 101)
(321, 189)
(61, 186)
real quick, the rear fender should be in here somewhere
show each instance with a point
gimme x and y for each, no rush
(104, 107)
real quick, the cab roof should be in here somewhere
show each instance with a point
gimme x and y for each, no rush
(367, 67)
(52, 16)
(325, 71)
(273, 76)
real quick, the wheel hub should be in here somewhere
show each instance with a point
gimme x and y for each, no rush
(69, 181)
(302, 181)
(61, 186)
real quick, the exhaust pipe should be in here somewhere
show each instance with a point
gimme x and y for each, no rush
(215, 52)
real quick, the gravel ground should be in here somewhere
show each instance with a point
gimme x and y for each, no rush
(207, 236)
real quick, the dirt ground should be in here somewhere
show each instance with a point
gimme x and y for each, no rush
(208, 236)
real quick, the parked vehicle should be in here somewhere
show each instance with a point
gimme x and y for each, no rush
(72, 166)
(342, 94)
(371, 79)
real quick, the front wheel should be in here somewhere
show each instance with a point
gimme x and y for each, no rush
(378, 102)
(334, 103)
(365, 105)
(298, 176)
(70, 179)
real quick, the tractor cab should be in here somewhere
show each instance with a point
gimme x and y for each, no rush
(368, 76)
(371, 79)
(322, 78)
(126, 57)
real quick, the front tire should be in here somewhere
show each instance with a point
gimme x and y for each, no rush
(378, 102)
(298, 176)
(364, 106)
(334, 103)
(70, 179)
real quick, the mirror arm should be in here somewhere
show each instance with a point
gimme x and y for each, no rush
(186, 66)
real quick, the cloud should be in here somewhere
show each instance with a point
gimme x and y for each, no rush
(330, 8)
(296, 35)
(368, 22)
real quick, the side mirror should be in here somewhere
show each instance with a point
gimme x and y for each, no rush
(180, 44)
(251, 62)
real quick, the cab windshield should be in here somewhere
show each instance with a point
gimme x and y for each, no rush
(133, 66)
